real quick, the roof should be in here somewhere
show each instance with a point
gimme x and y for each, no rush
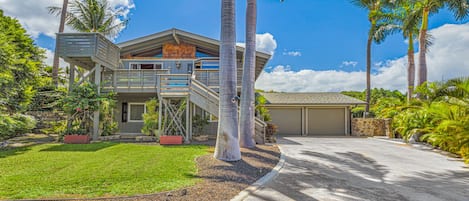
(150, 43)
(317, 98)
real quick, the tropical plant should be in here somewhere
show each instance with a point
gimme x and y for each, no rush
(199, 122)
(94, 16)
(460, 10)
(227, 145)
(261, 111)
(55, 65)
(107, 107)
(247, 111)
(379, 30)
(150, 118)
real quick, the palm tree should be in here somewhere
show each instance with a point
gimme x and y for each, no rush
(55, 65)
(375, 10)
(227, 145)
(459, 8)
(407, 17)
(246, 137)
(93, 16)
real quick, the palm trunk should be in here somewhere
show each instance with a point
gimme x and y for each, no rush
(422, 70)
(55, 65)
(227, 145)
(247, 132)
(410, 67)
(368, 74)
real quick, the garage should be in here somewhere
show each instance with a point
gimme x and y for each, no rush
(326, 121)
(311, 114)
(288, 120)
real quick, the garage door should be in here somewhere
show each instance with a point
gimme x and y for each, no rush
(326, 121)
(287, 120)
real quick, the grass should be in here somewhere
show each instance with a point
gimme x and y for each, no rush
(95, 170)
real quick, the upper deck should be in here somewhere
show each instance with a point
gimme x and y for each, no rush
(87, 49)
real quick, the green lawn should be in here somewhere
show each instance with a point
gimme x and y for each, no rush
(95, 170)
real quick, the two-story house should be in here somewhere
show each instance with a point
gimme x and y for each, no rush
(179, 68)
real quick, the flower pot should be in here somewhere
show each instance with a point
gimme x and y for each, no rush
(169, 139)
(76, 139)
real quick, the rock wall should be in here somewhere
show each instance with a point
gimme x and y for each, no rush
(45, 119)
(371, 127)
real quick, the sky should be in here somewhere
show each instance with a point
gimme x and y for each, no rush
(316, 45)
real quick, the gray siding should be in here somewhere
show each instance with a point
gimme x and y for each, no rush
(130, 127)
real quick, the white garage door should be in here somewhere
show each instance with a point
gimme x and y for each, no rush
(288, 120)
(326, 121)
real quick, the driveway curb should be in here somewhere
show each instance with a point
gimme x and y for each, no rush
(263, 180)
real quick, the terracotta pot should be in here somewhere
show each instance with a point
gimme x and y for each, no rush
(169, 139)
(76, 139)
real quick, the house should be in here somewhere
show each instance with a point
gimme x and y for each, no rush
(311, 114)
(179, 68)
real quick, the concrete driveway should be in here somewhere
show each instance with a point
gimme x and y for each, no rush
(363, 169)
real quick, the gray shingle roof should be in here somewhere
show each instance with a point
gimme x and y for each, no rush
(318, 98)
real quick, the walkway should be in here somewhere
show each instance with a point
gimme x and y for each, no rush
(363, 169)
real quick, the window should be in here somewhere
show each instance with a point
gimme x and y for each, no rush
(136, 111)
(145, 66)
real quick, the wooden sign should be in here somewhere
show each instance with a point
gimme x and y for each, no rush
(178, 51)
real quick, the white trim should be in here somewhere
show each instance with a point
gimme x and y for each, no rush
(139, 65)
(128, 111)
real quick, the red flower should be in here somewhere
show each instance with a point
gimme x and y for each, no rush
(78, 109)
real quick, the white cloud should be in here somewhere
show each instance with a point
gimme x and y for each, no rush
(292, 53)
(264, 43)
(49, 60)
(349, 63)
(34, 15)
(446, 60)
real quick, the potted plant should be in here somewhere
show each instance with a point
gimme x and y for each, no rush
(80, 104)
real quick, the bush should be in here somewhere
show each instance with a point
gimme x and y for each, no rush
(17, 124)
(150, 119)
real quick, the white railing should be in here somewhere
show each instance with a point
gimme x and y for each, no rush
(173, 84)
(132, 79)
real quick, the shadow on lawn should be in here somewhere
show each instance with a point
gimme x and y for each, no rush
(7, 152)
(80, 147)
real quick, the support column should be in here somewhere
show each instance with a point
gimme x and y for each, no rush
(160, 115)
(97, 81)
(71, 79)
(188, 119)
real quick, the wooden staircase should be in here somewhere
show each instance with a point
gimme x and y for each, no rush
(208, 100)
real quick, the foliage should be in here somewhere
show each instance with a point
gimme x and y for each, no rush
(11, 126)
(94, 16)
(107, 108)
(150, 118)
(261, 111)
(199, 123)
(442, 118)
(20, 64)
(95, 170)
(80, 104)
(48, 96)
(376, 96)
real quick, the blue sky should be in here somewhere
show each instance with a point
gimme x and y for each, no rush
(312, 36)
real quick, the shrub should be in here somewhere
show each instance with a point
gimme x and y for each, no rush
(150, 119)
(17, 124)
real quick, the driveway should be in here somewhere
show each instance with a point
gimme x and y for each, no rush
(363, 169)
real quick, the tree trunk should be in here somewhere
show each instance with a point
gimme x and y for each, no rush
(247, 124)
(227, 145)
(55, 65)
(368, 74)
(410, 67)
(422, 70)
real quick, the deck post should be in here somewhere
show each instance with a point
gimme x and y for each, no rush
(188, 119)
(71, 79)
(160, 115)
(97, 82)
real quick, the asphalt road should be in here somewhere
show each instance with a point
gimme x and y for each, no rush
(363, 169)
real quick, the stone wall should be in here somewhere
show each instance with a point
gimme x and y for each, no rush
(45, 119)
(371, 127)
